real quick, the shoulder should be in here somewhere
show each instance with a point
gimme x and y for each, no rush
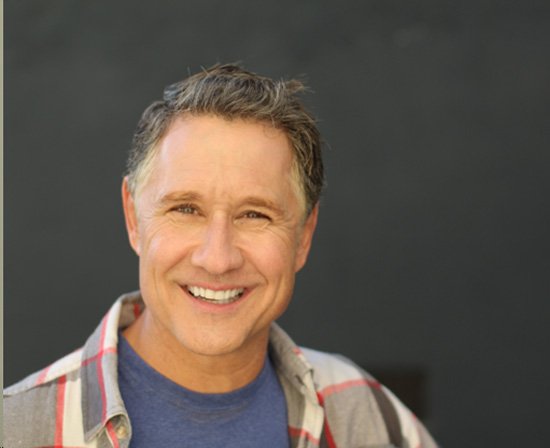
(33, 401)
(356, 402)
(332, 369)
(46, 376)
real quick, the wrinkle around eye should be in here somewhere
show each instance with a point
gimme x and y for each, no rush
(256, 222)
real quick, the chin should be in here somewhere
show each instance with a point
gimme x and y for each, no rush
(212, 346)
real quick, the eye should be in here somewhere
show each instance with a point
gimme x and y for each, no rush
(252, 214)
(186, 209)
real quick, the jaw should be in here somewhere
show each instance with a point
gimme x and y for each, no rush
(201, 360)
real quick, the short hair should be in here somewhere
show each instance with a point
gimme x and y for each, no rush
(230, 92)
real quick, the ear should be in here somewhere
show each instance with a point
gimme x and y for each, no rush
(130, 216)
(306, 237)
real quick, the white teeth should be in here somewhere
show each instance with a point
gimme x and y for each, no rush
(223, 296)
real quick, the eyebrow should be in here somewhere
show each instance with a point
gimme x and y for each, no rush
(193, 196)
(180, 196)
(261, 202)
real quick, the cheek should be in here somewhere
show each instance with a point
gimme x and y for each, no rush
(272, 254)
(163, 246)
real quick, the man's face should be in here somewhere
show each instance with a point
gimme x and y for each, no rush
(220, 234)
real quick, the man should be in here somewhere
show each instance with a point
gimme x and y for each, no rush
(221, 201)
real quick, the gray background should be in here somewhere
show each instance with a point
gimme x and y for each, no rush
(432, 252)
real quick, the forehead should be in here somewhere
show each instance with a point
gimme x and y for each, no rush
(211, 137)
(218, 154)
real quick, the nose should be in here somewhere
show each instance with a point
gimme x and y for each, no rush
(217, 253)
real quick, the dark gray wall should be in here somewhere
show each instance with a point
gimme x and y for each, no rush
(433, 248)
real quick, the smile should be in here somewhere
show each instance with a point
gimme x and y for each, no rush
(221, 297)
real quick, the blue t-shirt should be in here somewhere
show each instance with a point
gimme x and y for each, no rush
(165, 414)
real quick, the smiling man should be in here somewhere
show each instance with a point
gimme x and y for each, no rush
(220, 230)
(221, 203)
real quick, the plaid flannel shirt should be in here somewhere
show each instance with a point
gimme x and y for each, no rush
(76, 403)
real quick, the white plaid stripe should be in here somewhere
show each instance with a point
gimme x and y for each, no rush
(303, 374)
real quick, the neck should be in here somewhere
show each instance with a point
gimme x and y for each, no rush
(218, 373)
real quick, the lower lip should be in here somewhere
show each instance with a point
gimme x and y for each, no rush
(212, 307)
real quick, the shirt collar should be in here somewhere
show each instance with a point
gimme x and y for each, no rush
(101, 398)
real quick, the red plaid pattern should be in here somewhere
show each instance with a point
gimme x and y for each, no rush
(75, 402)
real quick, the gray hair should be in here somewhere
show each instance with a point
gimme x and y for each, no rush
(230, 92)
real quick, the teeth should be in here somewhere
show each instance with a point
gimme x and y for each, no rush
(223, 296)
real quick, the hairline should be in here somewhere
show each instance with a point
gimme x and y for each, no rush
(139, 177)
